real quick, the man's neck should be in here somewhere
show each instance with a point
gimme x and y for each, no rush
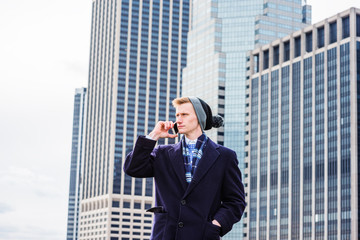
(193, 136)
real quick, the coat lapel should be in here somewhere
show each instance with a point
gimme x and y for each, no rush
(208, 159)
(177, 161)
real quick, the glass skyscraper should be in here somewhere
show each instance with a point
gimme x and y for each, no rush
(302, 142)
(138, 51)
(221, 34)
(76, 161)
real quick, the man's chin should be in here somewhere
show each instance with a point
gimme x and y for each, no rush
(181, 131)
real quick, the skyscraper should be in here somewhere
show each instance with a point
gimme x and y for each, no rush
(221, 33)
(76, 161)
(303, 133)
(138, 50)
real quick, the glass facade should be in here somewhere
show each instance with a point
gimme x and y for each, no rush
(307, 147)
(332, 142)
(284, 152)
(296, 139)
(319, 145)
(263, 154)
(345, 140)
(274, 154)
(312, 149)
(252, 204)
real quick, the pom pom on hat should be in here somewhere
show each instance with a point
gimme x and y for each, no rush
(217, 121)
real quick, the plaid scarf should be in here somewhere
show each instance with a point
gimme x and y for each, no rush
(192, 154)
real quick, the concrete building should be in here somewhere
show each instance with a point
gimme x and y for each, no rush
(221, 34)
(138, 50)
(76, 163)
(302, 142)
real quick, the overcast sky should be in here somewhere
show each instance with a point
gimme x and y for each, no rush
(44, 55)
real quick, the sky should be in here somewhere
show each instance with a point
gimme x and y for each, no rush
(44, 56)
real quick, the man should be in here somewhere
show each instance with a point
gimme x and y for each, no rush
(199, 191)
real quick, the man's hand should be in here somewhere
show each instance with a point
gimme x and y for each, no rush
(161, 130)
(216, 223)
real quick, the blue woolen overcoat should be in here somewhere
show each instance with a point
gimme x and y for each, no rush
(216, 190)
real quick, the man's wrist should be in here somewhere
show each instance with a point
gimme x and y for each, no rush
(148, 137)
(153, 136)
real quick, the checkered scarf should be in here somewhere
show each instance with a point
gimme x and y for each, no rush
(192, 154)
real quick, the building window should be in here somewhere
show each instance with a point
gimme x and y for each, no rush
(286, 51)
(115, 204)
(320, 37)
(127, 181)
(147, 205)
(256, 63)
(137, 205)
(276, 55)
(138, 185)
(345, 27)
(309, 41)
(266, 59)
(358, 25)
(297, 46)
(126, 204)
(148, 187)
(333, 32)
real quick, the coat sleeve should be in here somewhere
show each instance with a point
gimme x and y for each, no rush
(139, 162)
(233, 197)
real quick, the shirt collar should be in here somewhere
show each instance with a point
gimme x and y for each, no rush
(188, 141)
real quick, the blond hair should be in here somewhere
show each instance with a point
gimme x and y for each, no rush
(181, 100)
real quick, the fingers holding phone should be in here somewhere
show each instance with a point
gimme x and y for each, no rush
(161, 130)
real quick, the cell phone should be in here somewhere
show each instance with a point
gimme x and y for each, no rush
(176, 130)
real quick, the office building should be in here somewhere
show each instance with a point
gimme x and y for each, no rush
(303, 133)
(221, 33)
(138, 50)
(76, 161)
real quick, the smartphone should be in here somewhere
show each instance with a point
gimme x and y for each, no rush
(176, 130)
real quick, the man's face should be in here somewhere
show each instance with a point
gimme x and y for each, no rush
(186, 119)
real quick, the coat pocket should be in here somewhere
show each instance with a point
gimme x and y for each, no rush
(212, 232)
(159, 226)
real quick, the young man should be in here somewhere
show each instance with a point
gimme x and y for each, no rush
(199, 191)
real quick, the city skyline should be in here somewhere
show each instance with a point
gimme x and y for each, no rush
(50, 42)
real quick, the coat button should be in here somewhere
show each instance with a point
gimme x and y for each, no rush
(183, 202)
(181, 224)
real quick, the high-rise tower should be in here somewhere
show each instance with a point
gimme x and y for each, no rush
(303, 133)
(221, 34)
(76, 161)
(138, 50)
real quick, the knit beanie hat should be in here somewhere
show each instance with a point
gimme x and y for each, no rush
(204, 114)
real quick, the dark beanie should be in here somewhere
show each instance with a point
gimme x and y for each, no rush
(204, 114)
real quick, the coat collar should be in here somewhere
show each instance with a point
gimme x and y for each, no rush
(209, 157)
